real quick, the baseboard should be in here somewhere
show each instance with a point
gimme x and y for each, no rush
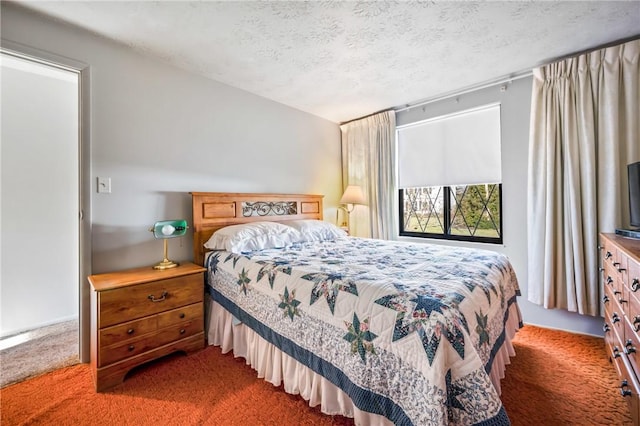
(563, 329)
(12, 333)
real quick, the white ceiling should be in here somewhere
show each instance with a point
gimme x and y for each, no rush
(341, 60)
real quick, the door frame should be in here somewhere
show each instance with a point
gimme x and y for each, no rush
(84, 176)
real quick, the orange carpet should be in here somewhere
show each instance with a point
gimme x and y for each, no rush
(556, 378)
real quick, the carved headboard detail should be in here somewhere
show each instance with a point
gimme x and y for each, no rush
(214, 210)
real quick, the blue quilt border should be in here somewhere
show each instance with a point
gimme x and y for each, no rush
(362, 398)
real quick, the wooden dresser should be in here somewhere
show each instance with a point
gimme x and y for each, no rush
(142, 314)
(621, 275)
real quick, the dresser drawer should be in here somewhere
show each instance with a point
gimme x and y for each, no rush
(614, 352)
(128, 303)
(133, 329)
(127, 331)
(114, 353)
(633, 277)
(628, 388)
(186, 313)
(614, 316)
(631, 347)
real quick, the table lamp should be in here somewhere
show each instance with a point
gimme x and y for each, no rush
(164, 230)
(352, 195)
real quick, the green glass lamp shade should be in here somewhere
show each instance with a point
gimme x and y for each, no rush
(164, 230)
(169, 228)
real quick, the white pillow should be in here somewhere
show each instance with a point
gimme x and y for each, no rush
(253, 236)
(317, 230)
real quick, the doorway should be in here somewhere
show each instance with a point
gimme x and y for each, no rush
(41, 195)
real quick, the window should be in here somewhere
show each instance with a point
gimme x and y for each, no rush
(450, 177)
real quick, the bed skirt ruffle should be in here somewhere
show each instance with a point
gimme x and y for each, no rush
(278, 368)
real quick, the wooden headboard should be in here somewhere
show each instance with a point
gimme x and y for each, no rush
(214, 210)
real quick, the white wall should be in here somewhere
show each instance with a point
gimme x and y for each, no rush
(159, 132)
(39, 145)
(515, 109)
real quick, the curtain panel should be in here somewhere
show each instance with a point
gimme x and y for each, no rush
(584, 131)
(368, 160)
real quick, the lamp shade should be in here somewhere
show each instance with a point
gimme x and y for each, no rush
(352, 195)
(169, 228)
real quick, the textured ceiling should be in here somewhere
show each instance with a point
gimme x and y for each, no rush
(341, 60)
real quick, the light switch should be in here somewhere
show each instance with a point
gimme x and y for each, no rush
(104, 185)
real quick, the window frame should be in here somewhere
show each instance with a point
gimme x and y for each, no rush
(446, 235)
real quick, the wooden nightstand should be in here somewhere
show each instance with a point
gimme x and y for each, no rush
(142, 314)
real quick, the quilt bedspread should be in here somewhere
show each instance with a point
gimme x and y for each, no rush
(408, 331)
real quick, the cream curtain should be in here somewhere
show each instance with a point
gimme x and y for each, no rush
(368, 160)
(584, 131)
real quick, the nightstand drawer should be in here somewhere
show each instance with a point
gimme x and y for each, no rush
(137, 301)
(186, 313)
(148, 342)
(133, 329)
(127, 331)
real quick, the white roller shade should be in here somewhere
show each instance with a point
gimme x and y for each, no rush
(457, 149)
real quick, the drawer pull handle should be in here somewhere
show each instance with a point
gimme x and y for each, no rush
(182, 315)
(616, 352)
(617, 265)
(635, 285)
(131, 347)
(629, 348)
(600, 247)
(608, 255)
(605, 299)
(160, 299)
(601, 269)
(636, 323)
(609, 280)
(623, 389)
(615, 318)
(620, 299)
(606, 327)
(182, 331)
(130, 331)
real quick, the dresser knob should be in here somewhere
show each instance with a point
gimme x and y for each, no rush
(623, 389)
(609, 280)
(160, 299)
(606, 327)
(635, 285)
(636, 323)
(181, 314)
(131, 347)
(130, 331)
(182, 331)
(629, 348)
(605, 299)
(600, 247)
(608, 255)
(615, 318)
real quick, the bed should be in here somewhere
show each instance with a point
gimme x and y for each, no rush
(384, 332)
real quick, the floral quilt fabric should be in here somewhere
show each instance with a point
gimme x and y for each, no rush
(408, 331)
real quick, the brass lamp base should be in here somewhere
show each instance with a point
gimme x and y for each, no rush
(165, 264)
